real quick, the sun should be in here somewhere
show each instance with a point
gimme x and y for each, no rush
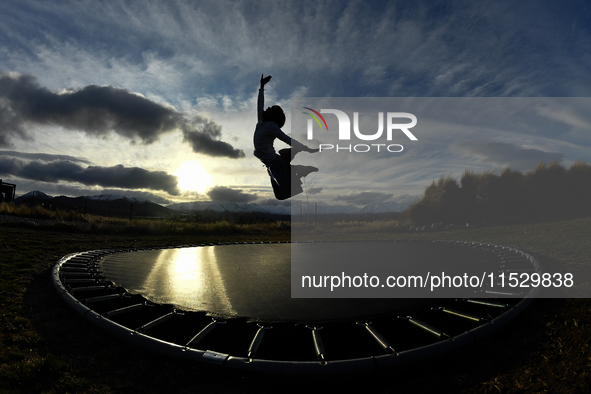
(193, 177)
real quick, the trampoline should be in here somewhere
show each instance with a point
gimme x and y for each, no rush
(230, 304)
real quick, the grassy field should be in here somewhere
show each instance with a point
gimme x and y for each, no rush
(46, 348)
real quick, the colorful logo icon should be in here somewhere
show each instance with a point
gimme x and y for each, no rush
(315, 118)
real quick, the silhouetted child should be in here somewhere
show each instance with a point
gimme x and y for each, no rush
(285, 178)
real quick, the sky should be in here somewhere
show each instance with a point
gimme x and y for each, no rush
(157, 99)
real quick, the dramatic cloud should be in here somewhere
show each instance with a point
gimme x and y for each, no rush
(405, 48)
(64, 170)
(363, 198)
(222, 193)
(203, 136)
(502, 154)
(43, 156)
(98, 110)
(314, 190)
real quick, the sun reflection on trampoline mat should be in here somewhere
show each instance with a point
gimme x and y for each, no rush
(254, 281)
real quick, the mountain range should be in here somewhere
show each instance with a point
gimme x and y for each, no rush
(122, 205)
(104, 204)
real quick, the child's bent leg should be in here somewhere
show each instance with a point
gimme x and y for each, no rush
(284, 184)
(298, 171)
(286, 155)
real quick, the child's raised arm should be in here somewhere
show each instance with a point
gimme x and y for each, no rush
(265, 80)
(261, 99)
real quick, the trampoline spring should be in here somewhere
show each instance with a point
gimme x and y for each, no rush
(77, 263)
(318, 344)
(487, 303)
(92, 288)
(123, 310)
(505, 252)
(71, 267)
(155, 322)
(85, 274)
(503, 293)
(460, 314)
(89, 280)
(509, 265)
(512, 264)
(79, 260)
(379, 338)
(258, 338)
(511, 255)
(101, 298)
(430, 329)
(519, 270)
(74, 269)
(513, 258)
(206, 330)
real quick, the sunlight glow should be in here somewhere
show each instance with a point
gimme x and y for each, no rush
(193, 177)
(187, 277)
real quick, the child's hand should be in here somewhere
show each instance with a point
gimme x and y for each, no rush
(264, 80)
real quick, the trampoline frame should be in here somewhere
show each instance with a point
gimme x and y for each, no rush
(80, 268)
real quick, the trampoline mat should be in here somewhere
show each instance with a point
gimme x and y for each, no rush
(253, 281)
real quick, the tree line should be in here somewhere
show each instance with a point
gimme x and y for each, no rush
(549, 192)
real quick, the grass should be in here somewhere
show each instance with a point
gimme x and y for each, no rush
(46, 348)
(78, 222)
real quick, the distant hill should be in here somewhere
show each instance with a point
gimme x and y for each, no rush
(35, 197)
(385, 207)
(231, 210)
(274, 209)
(321, 208)
(116, 205)
(223, 206)
(104, 204)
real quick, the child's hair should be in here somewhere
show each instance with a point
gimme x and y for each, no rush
(274, 114)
